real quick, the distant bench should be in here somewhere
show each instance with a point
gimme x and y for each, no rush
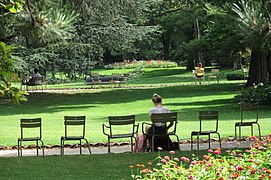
(115, 79)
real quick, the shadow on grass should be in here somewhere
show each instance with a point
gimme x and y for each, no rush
(57, 102)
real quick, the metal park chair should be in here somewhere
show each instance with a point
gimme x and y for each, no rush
(71, 122)
(33, 124)
(163, 125)
(113, 130)
(247, 109)
(203, 117)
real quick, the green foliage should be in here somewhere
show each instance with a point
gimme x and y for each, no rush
(8, 76)
(258, 93)
(13, 6)
(55, 24)
(254, 21)
(235, 75)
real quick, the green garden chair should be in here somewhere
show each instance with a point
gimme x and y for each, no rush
(160, 134)
(27, 126)
(211, 125)
(252, 111)
(120, 127)
(71, 122)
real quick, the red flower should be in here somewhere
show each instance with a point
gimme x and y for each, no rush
(239, 168)
(235, 175)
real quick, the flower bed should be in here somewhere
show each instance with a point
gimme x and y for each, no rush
(127, 64)
(254, 163)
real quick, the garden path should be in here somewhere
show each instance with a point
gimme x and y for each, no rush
(119, 149)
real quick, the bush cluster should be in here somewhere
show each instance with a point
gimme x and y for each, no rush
(235, 75)
(253, 163)
(258, 93)
(127, 64)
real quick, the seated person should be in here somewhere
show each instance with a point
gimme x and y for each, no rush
(200, 71)
(32, 81)
(159, 108)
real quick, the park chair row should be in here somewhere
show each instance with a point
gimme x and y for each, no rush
(130, 128)
(110, 130)
(35, 123)
(251, 110)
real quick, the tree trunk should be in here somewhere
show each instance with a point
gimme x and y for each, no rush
(166, 44)
(259, 70)
(198, 36)
(190, 64)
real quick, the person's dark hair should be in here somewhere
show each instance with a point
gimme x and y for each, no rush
(156, 99)
(36, 70)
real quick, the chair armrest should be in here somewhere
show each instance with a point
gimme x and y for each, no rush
(105, 126)
(144, 124)
(172, 128)
(136, 126)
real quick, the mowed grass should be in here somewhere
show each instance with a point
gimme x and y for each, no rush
(96, 166)
(98, 104)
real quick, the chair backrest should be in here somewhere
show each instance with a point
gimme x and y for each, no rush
(115, 76)
(126, 76)
(250, 108)
(127, 121)
(95, 76)
(70, 121)
(215, 71)
(166, 119)
(30, 123)
(208, 116)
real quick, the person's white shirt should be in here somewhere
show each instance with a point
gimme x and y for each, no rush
(159, 110)
(35, 75)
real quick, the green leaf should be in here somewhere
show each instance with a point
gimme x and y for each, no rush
(12, 9)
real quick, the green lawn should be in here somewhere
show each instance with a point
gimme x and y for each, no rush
(96, 166)
(98, 104)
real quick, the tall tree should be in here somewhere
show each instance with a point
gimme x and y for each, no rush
(255, 27)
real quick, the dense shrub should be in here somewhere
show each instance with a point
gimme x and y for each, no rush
(235, 75)
(259, 93)
(254, 163)
(126, 64)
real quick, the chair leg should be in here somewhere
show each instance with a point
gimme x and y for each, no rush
(62, 147)
(235, 132)
(198, 141)
(80, 146)
(191, 142)
(42, 147)
(152, 141)
(239, 132)
(209, 136)
(132, 144)
(178, 140)
(21, 148)
(108, 145)
(259, 129)
(37, 146)
(219, 139)
(251, 129)
(88, 145)
(18, 147)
